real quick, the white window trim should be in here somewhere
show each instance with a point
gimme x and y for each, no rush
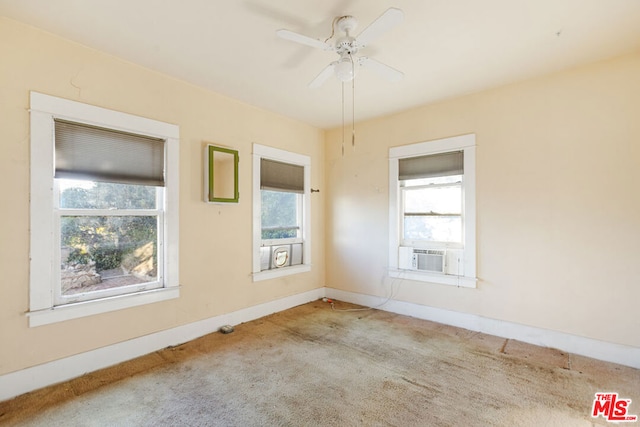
(263, 151)
(44, 108)
(467, 143)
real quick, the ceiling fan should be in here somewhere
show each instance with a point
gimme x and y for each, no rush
(347, 46)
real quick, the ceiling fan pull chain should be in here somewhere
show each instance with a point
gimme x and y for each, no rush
(353, 106)
(343, 125)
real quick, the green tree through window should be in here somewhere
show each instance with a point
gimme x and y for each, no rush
(110, 242)
(279, 214)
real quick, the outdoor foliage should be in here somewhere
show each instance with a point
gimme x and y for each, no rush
(107, 239)
(279, 214)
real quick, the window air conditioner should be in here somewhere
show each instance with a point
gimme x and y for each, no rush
(432, 260)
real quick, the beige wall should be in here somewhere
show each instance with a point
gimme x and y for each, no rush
(215, 240)
(557, 197)
(558, 202)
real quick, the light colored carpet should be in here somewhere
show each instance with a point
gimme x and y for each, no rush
(311, 365)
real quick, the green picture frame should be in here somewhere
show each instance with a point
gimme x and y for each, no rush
(221, 175)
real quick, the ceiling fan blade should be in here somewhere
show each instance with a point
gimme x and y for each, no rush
(383, 70)
(299, 38)
(388, 20)
(323, 76)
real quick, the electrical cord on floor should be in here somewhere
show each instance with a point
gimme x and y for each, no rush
(391, 295)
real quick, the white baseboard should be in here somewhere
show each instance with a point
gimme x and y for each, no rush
(16, 383)
(601, 350)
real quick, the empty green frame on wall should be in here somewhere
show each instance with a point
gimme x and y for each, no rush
(221, 175)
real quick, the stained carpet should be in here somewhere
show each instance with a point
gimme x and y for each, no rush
(314, 366)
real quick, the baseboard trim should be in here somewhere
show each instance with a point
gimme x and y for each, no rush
(16, 383)
(601, 350)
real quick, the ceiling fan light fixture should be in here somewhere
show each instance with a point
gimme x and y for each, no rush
(345, 69)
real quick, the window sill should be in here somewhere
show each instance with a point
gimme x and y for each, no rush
(442, 279)
(281, 272)
(104, 305)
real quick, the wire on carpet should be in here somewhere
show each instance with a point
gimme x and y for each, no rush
(391, 295)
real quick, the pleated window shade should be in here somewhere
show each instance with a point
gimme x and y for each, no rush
(443, 164)
(281, 176)
(99, 154)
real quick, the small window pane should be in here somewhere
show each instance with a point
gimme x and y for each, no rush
(78, 194)
(279, 214)
(435, 180)
(433, 228)
(440, 200)
(106, 252)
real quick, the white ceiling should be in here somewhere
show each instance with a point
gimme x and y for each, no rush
(445, 48)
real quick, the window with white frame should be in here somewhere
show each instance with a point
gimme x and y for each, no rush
(103, 210)
(281, 229)
(432, 211)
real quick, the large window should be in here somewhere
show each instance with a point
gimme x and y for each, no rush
(108, 237)
(103, 210)
(281, 213)
(432, 211)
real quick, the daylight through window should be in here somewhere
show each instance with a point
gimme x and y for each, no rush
(432, 200)
(432, 211)
(281, 212)
(109, 214)
(104, 210)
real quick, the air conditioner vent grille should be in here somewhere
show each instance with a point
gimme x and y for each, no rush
(448, 261)
(429, 261)
(429, 251)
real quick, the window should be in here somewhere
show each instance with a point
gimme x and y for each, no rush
(432, 211)
(281, 213)
(103, 210)
(431, 188)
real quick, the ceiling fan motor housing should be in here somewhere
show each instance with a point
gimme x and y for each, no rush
(346, 45)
